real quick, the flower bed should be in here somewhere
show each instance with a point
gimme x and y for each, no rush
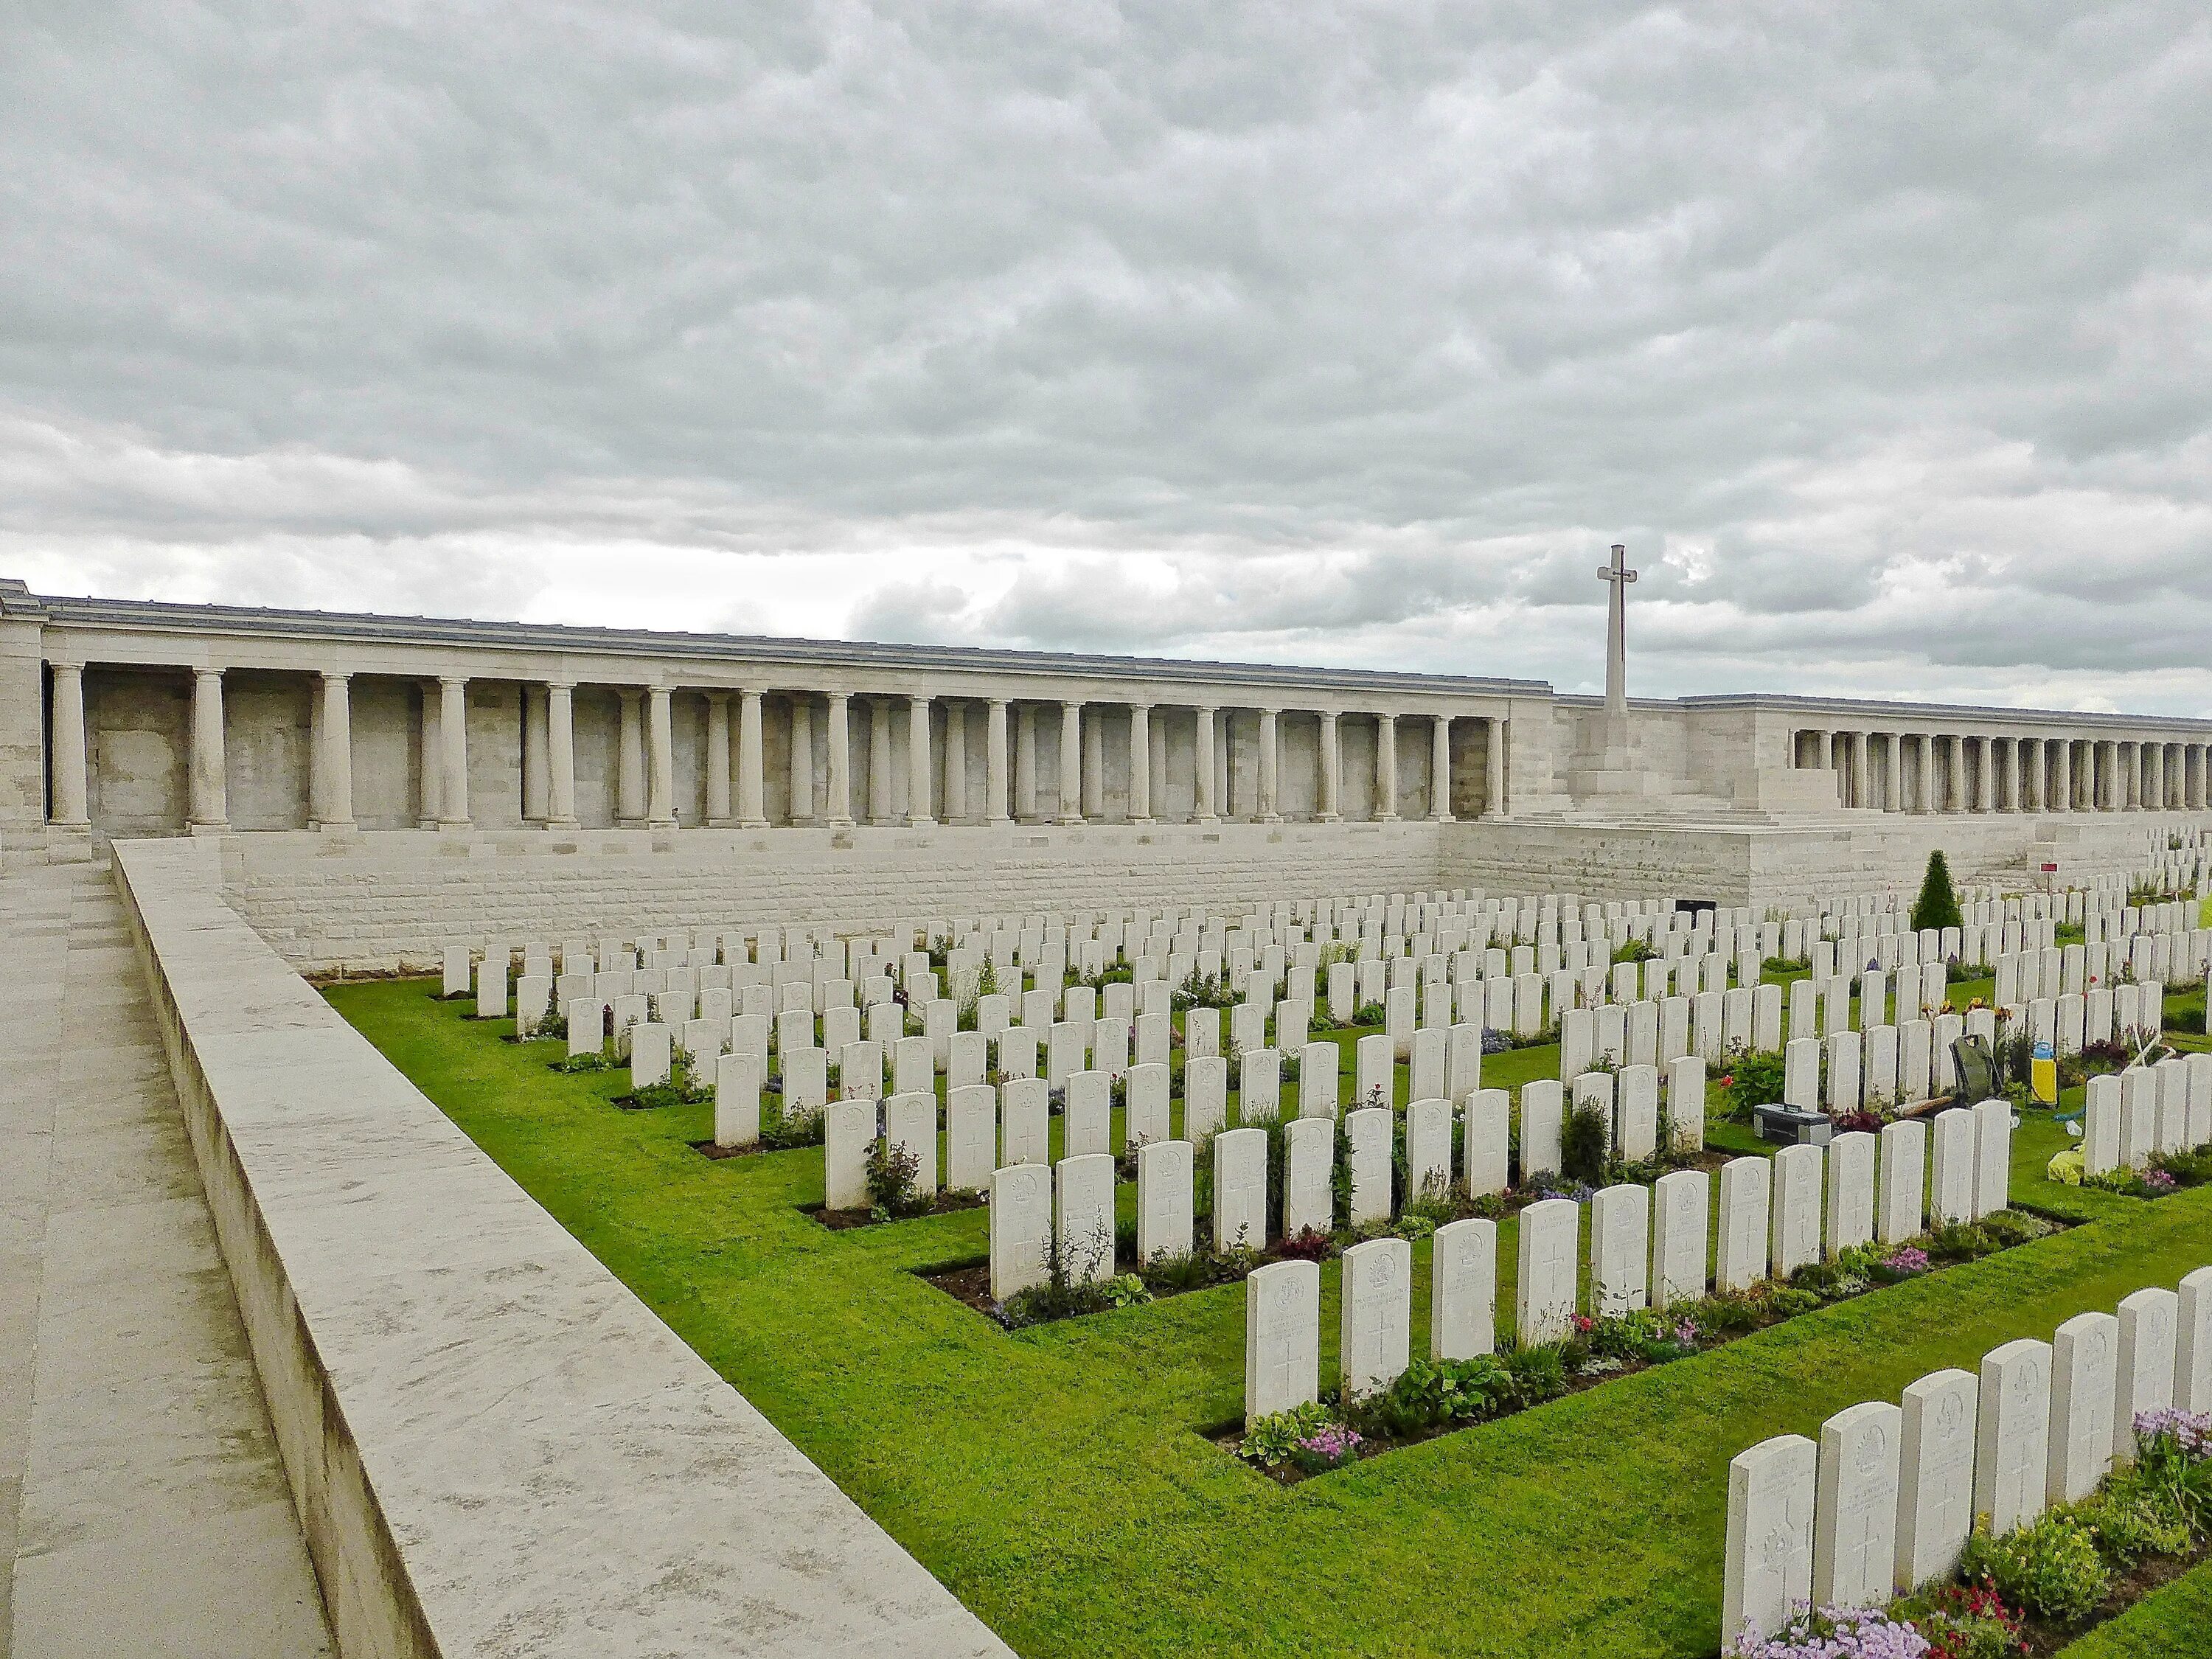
(2036, 1589)
(1433, 1398)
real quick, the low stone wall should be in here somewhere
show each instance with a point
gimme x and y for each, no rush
(494, 1448)
(371, 901)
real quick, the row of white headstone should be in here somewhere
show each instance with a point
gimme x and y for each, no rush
(1886, 1501)
(1647, 1248)
(2129, 1116)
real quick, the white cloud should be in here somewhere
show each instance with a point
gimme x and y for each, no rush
(1334, 336)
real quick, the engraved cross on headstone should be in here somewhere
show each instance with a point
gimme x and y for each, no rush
(1616, 576)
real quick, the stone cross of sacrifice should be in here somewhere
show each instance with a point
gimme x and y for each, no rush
(1616, 576)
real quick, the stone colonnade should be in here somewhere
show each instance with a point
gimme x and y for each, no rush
(937, 778)
(1922, 771)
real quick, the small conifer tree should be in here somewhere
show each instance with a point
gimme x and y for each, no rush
(1937, 907)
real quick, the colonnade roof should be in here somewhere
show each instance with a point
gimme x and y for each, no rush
(157, 616)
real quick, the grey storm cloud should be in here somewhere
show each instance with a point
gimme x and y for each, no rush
(1347, 335)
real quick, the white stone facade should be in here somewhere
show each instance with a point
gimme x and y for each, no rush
(859, 781)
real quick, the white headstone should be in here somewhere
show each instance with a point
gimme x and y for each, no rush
(1240, 1190)
(1374, 1313)
(738, 1100)
(1935, 1498)
(1545, 1291)
(1902, 1159)
(1368, 1138)
(1992, 1156)
(1855, 1516)
(2193, 1362)
(849, 1133)
(1768, 1566)
(2085, 1354)
(1850, 1191)
(1955, 1177)
(1428, 1149)
(1463, 1290)
(1205, 1097)
(1745, 1186)
(1797, 1171)
(1026, 1104)
(1620, 1250)
(1164, 1178)
(1021, 1228)
(1489, 1123)
(1309, 1159)
(910, 1126)
(1543, 1115)
(2012, 1434)
(1087, 1116)
(1282, 1337)
(1083, 1220)
(2143, 1378)
(1679, 1207)
(971, 1136)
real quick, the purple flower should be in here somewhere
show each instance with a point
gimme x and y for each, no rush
(1906, 1259)
(2191, 1431)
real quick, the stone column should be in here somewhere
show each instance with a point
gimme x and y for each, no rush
(1156, 761)
(1201, 781)
(1228, 799)
(1986, 798)
(2060, 797)
(994, 763)
(1923, 744)
(1824, 751)
(429, 749)
(535, 793)
(840, 812)
(2158, 777)
(1493, 781)
(752, 806)
(1330, 766)
(1025, 801)
(630, 760)
(1862, 772)
(1071, 762)
(1959, 801)
(1386, 769)
(1141, 762)
(718, 759)
(2104, 764)
(920, 809)
(1440, 768)
(802, 758)
(71, 797)
(1094, 764)
(1892, 772)
(2192, 769)
(453, 739)
(208, 794)
(560, 756)
(1269, 777)
(335, 764)
(956, 809)
(881, 789)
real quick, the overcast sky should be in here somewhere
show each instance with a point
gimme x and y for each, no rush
(1350, 334)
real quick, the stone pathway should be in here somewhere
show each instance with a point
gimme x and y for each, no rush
(142, 1509)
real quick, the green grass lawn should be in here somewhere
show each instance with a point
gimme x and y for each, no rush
(1057, 1478)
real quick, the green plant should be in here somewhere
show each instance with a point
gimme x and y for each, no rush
(1271, 1441)
(2132, 1518)
(1752, 1079)
(1539, 1372)
(893, 1189)
(591, 1059)
(1967, 1621)
(1937, 907)
(2051, 1566)
(1125, 1290)
(1430, 1393)
(1582, 1144)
